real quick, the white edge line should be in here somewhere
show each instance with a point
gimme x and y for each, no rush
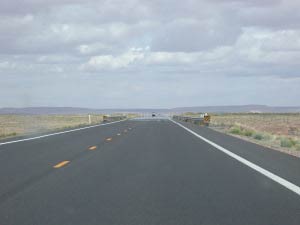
(257, 168)
(61, 132)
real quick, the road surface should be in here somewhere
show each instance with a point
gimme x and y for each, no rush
(146, 172)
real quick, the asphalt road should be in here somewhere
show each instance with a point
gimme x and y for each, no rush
(146, 172)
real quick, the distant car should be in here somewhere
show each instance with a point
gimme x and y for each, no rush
(153, 115)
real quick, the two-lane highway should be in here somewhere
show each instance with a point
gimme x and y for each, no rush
(146, 172)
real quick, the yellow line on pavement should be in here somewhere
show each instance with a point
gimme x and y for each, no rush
(93, 147)
(61, 164)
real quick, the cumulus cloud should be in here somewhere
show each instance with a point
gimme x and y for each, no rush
(106, 62)
(135, 59)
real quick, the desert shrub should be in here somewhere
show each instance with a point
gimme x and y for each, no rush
(258, 136)
(248, 133)
(8, 135)
(294, 142)
(286, 142)
(268, 137)
(235, 130)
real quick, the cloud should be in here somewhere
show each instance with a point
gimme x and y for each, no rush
(162, 43)
(7, 65)
(274, 15)
(107, 62)
(141, 57)
(191, 34)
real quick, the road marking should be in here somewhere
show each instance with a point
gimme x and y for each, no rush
(57, 133)
(93, 147)
(118, 134)
(255, 167)
(108, 139)
(61, 164)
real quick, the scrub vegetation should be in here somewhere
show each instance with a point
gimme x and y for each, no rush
(278, 131)
(15, 125)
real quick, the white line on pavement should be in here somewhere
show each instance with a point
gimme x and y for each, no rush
(257, 168)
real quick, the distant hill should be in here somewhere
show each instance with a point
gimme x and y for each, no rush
(211, 109)
(70, 110)
(240, 108)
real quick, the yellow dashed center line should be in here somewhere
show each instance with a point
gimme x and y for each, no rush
(93, 148)
(108, 139)
(61, 164)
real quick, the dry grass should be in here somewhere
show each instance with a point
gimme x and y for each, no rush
(278, 131)
(14, 125)
(277, 124)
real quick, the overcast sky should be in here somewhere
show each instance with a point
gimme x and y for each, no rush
(129, 53)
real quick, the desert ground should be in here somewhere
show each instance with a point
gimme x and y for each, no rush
(16, 125)
(278, 131)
